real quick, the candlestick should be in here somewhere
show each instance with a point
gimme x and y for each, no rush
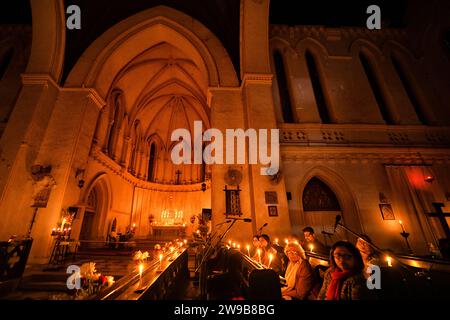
(405, 235)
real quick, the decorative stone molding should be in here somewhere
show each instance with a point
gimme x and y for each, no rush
(345, 35)
(354, 155)
(115, 168)
(364, 135)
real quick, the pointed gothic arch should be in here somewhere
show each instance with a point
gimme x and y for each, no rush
(341, 190)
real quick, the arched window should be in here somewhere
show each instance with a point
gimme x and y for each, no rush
(317, 196)
(151, 163)
(409, 90)
(5, 62)
(283, 88)
(376, 89)
(317, 87)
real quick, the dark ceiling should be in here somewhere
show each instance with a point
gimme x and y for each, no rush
(335, 13)
(222, 17)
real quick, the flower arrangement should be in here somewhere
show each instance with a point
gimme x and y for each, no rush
(92, 281)
(140, 257)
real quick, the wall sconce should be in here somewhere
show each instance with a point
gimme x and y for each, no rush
(80, 175)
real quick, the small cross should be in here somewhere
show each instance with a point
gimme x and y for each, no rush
(441, 216)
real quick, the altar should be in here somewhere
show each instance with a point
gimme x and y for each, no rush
(167, 232)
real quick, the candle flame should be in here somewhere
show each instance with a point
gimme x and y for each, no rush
(400, 221)
(389, 261)
(141, 268)
(311, 247)
(270, 259)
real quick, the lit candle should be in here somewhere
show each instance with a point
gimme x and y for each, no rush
(311, 247)
(286, 241)
(141, 268)
(389, 261)
(259, 255)
(270, 260)
(229, 243)
(63, 223)
(160, 258)
(401, 224)
(171, 249)
(234, 244)
(296, 242)
(248, 250)
(239, 247)
(185, 241)
(276, 241)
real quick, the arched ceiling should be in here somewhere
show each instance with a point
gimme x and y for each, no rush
(164, 89)
(219, 16)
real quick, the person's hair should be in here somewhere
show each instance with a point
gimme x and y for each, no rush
(297, 247)
(308, 229)
(267, 238)
(255, 236)
(359, 263)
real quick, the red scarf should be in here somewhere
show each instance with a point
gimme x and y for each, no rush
(337, 280)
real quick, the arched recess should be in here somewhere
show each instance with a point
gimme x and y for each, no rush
(49, 36)
(110, 53)
(315, 56)
(346, 198)
(408, 69)
(285, 103)
(371, 61)
(101, 187)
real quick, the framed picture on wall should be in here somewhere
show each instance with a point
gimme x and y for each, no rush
(386, 211)
(273, 211)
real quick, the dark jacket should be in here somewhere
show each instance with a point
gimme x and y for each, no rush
(305, 281)
(353, 288)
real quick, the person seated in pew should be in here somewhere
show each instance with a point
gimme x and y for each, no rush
(368, 254)
(311, 242)
(344, 280)
(268, 251)
(255, 246)
(300, 278)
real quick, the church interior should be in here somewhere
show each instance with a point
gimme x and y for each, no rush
(92, 91)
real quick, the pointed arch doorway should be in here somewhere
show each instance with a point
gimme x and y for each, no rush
(94, 224)
(323, 196)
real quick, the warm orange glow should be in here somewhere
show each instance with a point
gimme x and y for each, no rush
(141, 268)
(400, 221)
(239, 247)
(311, 247)
(389, 261)
(276, 241)
(259, 255)
(160, 258)
(270, 259)
(248, 250)
(185, 241)
(286, 241)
